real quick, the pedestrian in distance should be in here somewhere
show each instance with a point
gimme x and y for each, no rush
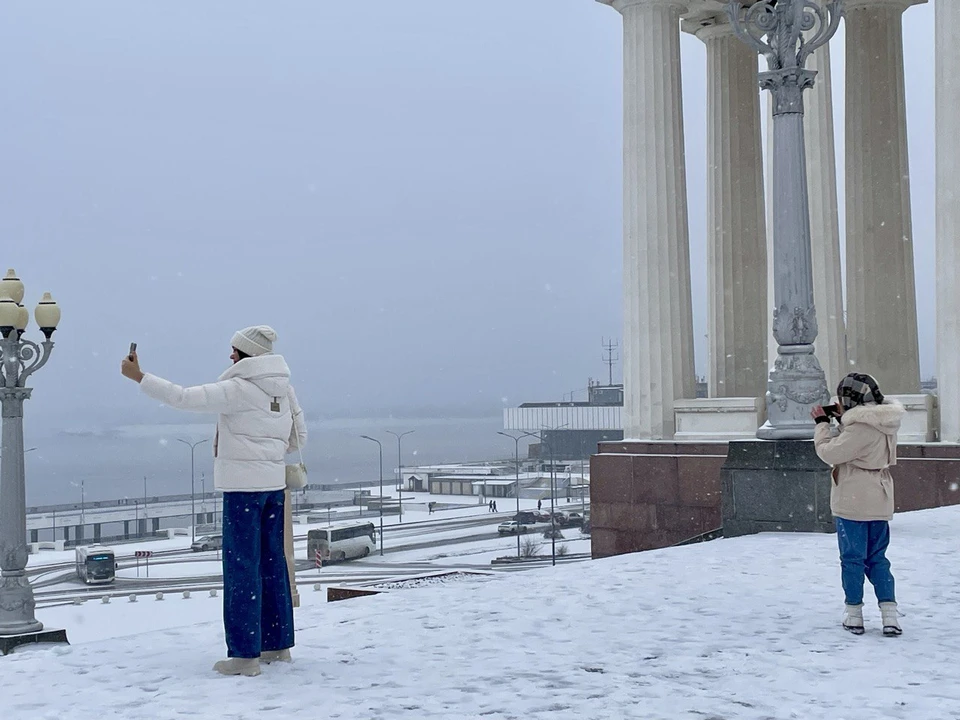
(862, 448)
(539, 505)
(259, 423)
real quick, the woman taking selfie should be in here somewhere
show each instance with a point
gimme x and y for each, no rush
(861, 494)
(259, 423)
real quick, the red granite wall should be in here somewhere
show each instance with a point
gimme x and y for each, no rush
(648, 495)
(652, 495)
(926, 476)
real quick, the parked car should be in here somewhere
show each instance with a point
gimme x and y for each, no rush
(511, 527)
(525, 517)
(542, 516)
(207, 542)
(574, 519)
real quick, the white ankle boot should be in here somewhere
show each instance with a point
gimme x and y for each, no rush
(889, 615)
(248, 667)
(271, 656)
(853, 618)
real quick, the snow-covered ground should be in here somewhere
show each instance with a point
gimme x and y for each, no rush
(745, 628)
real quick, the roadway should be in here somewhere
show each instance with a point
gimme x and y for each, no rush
(57, 583)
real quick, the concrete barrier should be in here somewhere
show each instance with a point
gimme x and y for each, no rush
(56, 546)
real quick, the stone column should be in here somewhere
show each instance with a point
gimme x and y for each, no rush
(772, 345)
(948, 217)
(881, 297)
(736, 233)
(658, 319)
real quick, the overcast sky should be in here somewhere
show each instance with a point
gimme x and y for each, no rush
(422, 197)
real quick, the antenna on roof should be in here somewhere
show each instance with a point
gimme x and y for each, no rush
(609, 347)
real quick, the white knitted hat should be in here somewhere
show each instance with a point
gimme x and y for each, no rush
(255, 340)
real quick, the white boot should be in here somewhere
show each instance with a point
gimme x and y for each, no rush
(248, 667)
(271, 656)
(853, 618)
(889, 614)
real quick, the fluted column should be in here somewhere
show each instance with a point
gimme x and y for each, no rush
(658, 320)
(772, 345)
(881, 296)
(736, 233)
(948, 216)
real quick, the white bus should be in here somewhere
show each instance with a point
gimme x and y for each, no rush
(96, 565)
(342, 542)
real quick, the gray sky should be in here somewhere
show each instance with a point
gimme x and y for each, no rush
(423, 197)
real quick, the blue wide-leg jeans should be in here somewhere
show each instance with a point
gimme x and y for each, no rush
(257, 607)
(863, 548)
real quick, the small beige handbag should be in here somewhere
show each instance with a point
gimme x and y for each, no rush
(297, 473)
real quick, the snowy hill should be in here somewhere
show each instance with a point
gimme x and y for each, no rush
(745, 628)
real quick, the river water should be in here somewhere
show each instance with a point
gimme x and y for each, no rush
(109, 464)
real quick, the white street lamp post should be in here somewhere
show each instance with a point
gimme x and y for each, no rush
(19, 359)
(786, 33)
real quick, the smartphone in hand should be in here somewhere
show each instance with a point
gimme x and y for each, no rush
(832, 411)
(133, 349)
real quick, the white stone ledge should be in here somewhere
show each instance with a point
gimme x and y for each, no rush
(920, 424)
(719, 419)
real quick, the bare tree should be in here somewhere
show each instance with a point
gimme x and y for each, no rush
(530, 548)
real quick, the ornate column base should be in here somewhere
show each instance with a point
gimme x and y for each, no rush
(796, 383)
(17, 604)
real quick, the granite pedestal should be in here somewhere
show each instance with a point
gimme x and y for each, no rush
(8, 643)
(774, 486)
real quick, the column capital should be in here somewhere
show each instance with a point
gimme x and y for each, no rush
(621, 5)
(901, 5)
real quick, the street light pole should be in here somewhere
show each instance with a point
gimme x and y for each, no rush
(83, 505)
(787, 32)
(380, 448)
(400, 437)
(19, 359)
(144, 508)
(553, 515)
(193, 494)
(516, 456)
(553, 505)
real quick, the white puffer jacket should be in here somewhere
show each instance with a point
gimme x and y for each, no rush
(260, 421)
